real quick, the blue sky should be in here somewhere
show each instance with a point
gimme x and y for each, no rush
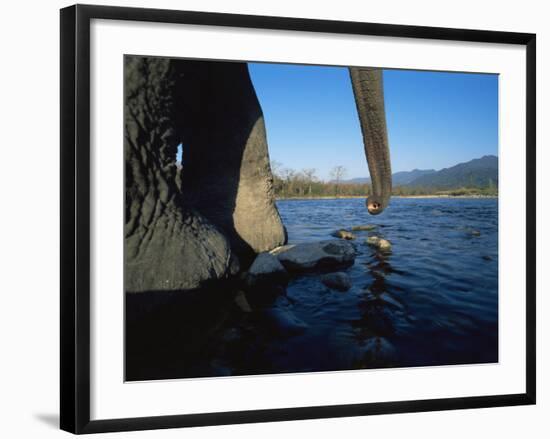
(435, 119)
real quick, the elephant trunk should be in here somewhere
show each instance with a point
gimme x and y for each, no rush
(369, 98)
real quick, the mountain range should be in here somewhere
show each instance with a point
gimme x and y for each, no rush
(481, 172)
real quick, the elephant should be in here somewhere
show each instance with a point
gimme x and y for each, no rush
(187, 227)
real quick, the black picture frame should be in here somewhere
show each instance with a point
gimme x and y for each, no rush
(75, 217)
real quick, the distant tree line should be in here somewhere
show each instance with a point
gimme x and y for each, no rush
(289, 183)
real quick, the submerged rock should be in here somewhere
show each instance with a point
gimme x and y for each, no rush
(380, 243)
(339, 281)
(329, 254)
(265, 280)
(363, 228)
(266, 269)
(343, 234)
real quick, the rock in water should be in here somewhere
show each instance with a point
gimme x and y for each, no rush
(344, 234)
(380, 243)
(329, 254)
(266, 269)
(265, 280)
(339, 281)
(363, 228)
(373, 240)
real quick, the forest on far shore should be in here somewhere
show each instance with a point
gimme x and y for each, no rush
(289, 183)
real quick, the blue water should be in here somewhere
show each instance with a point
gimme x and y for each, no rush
(432, 301)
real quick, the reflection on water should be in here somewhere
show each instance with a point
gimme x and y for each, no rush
(432, 301)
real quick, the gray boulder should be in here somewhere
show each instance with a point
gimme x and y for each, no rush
(338, 281)
(266, 269)
(310, 256)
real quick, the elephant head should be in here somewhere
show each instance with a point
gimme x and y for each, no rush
(369, 98)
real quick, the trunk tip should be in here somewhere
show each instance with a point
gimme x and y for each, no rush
(375, 205)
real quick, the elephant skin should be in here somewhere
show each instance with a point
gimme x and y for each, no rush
(227, 175)
(168, 246)
(369, 99)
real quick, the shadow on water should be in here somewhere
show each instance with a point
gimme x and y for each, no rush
(168, 334)
(433, 300)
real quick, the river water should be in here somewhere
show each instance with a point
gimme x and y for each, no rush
(432, 301)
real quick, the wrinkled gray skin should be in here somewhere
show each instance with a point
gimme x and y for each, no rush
(227, 175)
(184, 230)
(168, 244)
(369, 99)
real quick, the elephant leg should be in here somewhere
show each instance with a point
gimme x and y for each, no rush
(168, 246)
(369, 99)
(226, 171)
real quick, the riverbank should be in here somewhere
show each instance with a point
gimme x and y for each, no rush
(351, 197)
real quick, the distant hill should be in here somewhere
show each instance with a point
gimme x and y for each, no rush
(398, 178)
(405, 177)
(482, 172)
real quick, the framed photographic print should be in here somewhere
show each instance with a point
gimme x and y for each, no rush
(272, 218)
